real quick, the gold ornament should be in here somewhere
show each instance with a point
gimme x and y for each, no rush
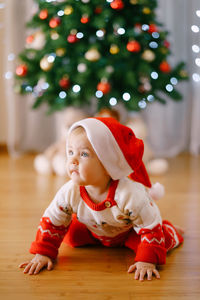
(60, 51)
(73, 31)
(146, 10)
(183, 73)
(68, 10)
(164, 50)
(92, 54)
(148, 55)
(45, 65)
(134, 2)
(54, 35)
(114, 49)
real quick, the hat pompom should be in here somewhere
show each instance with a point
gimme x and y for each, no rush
(157, 191)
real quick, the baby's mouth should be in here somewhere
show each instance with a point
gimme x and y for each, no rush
(74, 171)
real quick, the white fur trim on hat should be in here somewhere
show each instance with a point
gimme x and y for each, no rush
(105, 146)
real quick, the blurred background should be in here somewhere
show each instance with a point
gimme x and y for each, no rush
(167, 129)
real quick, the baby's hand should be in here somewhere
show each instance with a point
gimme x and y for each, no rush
(143, 268)
(36, 264)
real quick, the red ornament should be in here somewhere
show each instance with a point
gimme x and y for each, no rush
(85, 19)
(54, 22)
(29, 39)
(98, 10)
(21, 70)
(117, 4)
(64, 82)
(152, 28)
(138, 26)
(133, 46)
(43, 14)
(165, 67)
(104, 87)
(166, 44)
(72, 38)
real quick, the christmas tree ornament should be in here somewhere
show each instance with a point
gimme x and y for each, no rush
(64, 82)
(36, 41)
(73, 31)
(117, 4)
(104, 86)
(166, 43)
(54, 22)
(68, 10)
(164, 50)
(138, 28)
(85, 19)
(30, 39)
(45, 64)
(43, 14)
(146, 10)
(98, 10)
(109, 69)
(60, 52)
(148, 55)
(183, 73)
(114, 49)
(164, 67)
(134, 2)
(133, 46)
(72, 38)
(54, 35)
(21, 70)
(152, 28)
(81, 67)
(92, 55)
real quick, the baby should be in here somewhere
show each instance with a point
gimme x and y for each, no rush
(106, 201)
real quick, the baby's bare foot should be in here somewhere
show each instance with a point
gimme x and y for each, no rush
(180, 230)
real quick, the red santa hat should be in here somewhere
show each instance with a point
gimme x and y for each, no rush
(117, 147)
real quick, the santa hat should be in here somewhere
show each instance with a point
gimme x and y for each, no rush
(117, 147)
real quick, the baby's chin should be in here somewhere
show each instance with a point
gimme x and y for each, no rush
(75, 177)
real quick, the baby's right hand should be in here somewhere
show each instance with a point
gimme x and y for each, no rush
(36, 264)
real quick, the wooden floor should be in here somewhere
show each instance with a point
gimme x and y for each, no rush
(95, 273)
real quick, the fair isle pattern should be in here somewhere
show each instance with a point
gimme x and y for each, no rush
(43, 231)
(162, 240)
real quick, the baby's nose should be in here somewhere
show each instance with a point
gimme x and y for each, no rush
(75, 160)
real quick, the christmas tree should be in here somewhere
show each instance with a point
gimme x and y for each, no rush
(96, 50)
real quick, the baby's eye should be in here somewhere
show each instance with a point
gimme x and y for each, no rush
(84, 154)
(70, 152)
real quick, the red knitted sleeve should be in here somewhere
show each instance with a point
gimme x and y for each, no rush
(152, 246)
(48, 238)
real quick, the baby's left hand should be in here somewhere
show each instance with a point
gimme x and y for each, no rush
(142, 269)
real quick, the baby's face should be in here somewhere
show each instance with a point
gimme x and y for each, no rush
(83, 165)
